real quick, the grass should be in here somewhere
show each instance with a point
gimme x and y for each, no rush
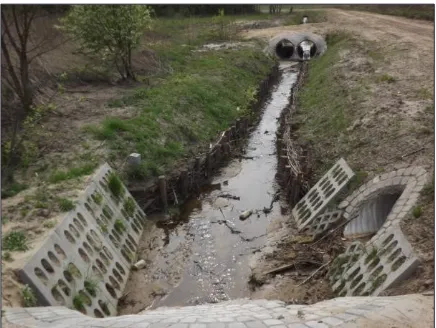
(49, 224)
(91, 286)
(15, 241)
(7, 257)
(103, 228)
(325, 102)
(13, 189)
(417, 211)
(65, 205)
(188, 106)
(119, 225)
(72, 173)
(29, 298)
(129, 206)
(78, 302)
(386, 78)
(115, 185)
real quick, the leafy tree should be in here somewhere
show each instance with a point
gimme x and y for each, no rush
(110, 32)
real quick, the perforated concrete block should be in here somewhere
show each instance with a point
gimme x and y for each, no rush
(385, 261)
(323, 222)
(316, 200)
(85, 255)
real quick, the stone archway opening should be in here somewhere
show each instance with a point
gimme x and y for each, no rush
(371, 214)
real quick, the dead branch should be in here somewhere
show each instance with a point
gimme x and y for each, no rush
(314, 273)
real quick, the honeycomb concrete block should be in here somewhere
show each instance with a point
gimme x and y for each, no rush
(88, 254)
(323, 223)
(317, 199)
(386, 260)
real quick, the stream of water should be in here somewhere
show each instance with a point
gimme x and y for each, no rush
(222, 244)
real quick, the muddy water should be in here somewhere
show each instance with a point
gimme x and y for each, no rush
(220, 244)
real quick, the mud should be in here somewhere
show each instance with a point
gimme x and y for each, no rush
(203, 255)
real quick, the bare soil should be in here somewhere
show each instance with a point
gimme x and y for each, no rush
(392, 128)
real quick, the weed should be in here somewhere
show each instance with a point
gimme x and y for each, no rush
(41, 204)
(424, 94)
(91, 286)
(98, 198)
(29, 298)
(49, 224)
(78, 302)
(13, 189)
(65, 205)
(428, 190)
(119, 225)
(72, 173)
(103, 228)
(417, 211)
(7, 257)
(371, 255)
(357, 180)
(129, 206)
(15, 241)
(5, 219)
(115, 185)
(386, 78)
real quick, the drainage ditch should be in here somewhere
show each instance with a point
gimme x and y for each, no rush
(204, 259)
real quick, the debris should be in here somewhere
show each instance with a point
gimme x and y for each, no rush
(245, 215)
(139, 265)
(226, 222)
(314, 273)
(289, 266)
(229, 196)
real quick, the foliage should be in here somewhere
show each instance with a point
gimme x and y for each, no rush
(115, 185)
(197, 10)
(91, 286)
(65, 205)
(7, 256)
(165, 128)
(72, 173)
(119, 225)
(417, 211)
(29, 298)
(13, 189)
(129, 206)
(109, 32)
(78, 302)
(14, 241)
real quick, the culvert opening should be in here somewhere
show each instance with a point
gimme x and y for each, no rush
(372, 214)
(285, 49)
(307, 49)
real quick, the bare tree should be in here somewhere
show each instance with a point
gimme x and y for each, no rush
(20, 47)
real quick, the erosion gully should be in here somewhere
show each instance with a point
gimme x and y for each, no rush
(212, 247)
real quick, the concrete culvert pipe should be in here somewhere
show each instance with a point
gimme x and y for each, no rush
(305, 46)
(372, 214)
(284, 49)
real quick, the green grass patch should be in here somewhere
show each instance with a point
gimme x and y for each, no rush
(188, 104)
(78, 302)
(417, 211)
(424, 12)
(325, 103)
(65, 205)
(14, 241)
(72, 173)
(115, 185)
(29, 298)
(119, 226)
(386, 78)
(129, 206)
(7, 256)
(13, 189)
(91, 286)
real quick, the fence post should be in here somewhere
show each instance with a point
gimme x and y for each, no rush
(163, 192)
